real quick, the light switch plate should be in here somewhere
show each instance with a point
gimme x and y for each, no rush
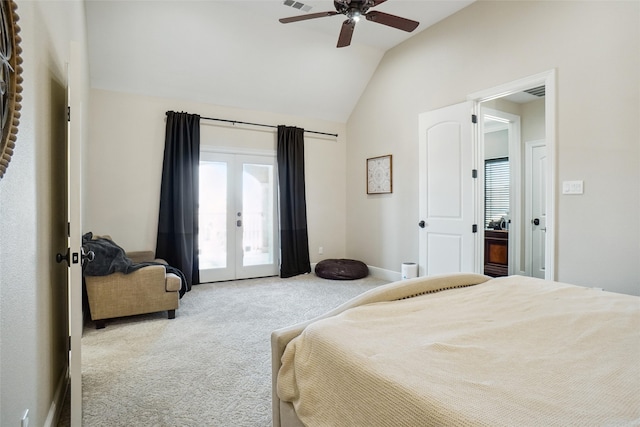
(572, 187)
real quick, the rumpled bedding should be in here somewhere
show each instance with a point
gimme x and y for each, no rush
(513, 351)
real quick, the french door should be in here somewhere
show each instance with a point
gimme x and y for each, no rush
(238, 236)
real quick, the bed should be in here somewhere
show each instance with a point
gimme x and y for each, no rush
(466, 350)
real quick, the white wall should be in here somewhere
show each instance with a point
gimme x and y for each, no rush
(532, 125)
(496, 144)
(33, 294)
(595, 48)
(124, 163)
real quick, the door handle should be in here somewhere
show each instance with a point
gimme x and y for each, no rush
(65, 257)
(535, 221)
(87, 256)
(239, 223)
(422, 224)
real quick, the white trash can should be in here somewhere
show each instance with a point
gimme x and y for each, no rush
(409, 270)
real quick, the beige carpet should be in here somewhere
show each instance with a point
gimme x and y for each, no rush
(210, 366)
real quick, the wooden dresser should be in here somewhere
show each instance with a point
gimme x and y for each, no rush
(496, 253)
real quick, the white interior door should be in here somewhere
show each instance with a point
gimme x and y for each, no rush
(536, 207)
(74, 183)
(446, 191)
(238, 236)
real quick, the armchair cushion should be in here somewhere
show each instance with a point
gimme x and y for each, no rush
(174, 283)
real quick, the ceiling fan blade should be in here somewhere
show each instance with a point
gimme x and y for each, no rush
(346, 33)
(308, 16)
(377, 2)
(392, 21)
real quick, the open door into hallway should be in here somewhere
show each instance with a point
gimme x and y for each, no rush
(452, 193)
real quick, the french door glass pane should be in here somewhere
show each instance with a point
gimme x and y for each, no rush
(212, 236)
(257, 202)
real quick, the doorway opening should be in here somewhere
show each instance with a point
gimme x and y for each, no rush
(500, 178)
(516, 134)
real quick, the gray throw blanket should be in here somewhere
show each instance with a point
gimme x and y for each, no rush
(110, 258)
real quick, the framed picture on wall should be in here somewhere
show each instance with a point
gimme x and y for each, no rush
(379, 175)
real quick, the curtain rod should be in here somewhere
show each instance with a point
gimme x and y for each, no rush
(266, 126)
(263, 125)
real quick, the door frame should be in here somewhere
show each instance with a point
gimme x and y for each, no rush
(74, 203)
(548, 79)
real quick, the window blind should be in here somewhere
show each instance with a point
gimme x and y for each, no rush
(496, 189)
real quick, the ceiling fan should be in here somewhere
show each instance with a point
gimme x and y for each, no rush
(354, 10)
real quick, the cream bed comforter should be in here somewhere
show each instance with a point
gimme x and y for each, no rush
(512, 351)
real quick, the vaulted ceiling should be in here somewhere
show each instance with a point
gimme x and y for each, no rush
(236, 53)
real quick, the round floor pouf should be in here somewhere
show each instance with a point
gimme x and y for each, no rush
(341, 269)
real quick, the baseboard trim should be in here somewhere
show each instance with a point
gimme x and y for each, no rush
(58, 400)
(381, 273)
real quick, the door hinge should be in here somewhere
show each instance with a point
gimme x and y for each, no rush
(474, 173)
(68, 229)
(69, 343)
(474, 118)
(474, 228)
(68, 113)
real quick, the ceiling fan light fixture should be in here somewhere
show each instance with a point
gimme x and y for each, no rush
(354, 10)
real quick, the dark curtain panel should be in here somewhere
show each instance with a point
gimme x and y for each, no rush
(178, 218)
(294, 240)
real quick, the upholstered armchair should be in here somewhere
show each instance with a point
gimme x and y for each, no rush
(147, 290)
